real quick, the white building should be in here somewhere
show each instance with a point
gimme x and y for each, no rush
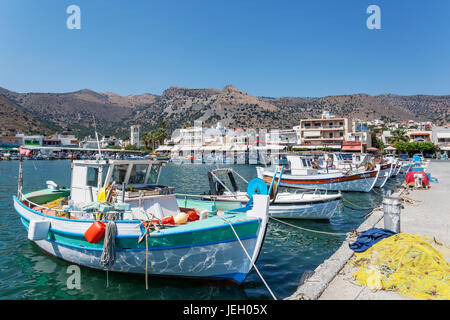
(441, 138)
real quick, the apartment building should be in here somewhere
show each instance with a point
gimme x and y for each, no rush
(328, 131)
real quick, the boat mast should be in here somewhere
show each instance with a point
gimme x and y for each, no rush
(100, 168)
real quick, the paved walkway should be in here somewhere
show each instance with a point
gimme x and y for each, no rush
(430, 216)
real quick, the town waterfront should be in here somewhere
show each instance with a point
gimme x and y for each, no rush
(29, 273)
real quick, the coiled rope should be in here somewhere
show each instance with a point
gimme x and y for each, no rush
(249, 258)
(315, 231)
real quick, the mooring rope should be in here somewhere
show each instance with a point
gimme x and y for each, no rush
(146, 259)
(249, 258)
(358, 206)
(316, 231)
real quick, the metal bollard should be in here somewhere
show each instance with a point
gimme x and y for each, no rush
(391, 208)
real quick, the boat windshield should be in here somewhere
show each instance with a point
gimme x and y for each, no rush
(138, 174)
(307, 163)
(154, 174)
(92, 176)
(119, 173)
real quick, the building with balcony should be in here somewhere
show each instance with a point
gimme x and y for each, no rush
(328, 131)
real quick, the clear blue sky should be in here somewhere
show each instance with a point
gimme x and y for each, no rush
(266, 48)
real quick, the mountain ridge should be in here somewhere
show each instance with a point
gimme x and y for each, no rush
(75, 111)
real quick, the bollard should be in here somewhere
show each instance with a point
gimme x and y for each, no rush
(391, 209)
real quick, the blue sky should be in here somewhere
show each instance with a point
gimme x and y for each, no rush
(266, 48)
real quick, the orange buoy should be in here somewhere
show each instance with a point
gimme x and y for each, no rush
(96, 232)
(192, 215)
(168, 220)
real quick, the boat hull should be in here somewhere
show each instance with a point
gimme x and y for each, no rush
(385, 173)
(312, 209)
(211, 252)
(362, 182)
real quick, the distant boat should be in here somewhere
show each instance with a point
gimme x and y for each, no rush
(301, 174)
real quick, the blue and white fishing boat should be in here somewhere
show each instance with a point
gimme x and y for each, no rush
(301, 204)
(122, 199)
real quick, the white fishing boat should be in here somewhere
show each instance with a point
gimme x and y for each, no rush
(116, 217)
(356, 163)
(301, 204)
(301, 174)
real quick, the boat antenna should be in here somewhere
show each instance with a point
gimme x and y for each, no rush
(96, 137)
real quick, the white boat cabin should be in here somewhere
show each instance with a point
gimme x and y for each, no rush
(301, 165)
(133, 182)
(342, 160)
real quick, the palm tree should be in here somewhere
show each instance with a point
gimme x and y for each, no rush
(147, 138)
(399, 135)
(161, 135)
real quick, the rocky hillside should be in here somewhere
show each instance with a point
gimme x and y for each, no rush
(233, 107)
(13, 119)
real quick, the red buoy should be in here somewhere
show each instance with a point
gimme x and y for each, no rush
(96, 232)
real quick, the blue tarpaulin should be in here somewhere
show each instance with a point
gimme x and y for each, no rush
(368, 238)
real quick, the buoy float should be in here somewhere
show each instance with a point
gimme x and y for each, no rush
(181, 218)
(168, 220)
(192, 215)
(96, 232)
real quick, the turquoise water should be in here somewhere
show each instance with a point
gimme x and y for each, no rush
(28, 273)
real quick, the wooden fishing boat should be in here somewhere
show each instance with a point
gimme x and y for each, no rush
(302, 175)
(123, 198)
(302, 204)
(355, 163)
(385, 174)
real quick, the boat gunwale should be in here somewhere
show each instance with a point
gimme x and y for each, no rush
(157, 235)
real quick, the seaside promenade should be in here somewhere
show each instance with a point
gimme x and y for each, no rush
(427, 215)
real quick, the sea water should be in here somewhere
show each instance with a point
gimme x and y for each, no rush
(26, 272)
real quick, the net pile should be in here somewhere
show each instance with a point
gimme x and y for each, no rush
(410, 265)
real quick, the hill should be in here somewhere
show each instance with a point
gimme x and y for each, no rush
(235, 108)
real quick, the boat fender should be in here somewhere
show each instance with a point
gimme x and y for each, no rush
(96, 232)
(181, 218)
(38, 229)
(203, 214)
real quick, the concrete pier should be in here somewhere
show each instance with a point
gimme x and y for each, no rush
(427, 215)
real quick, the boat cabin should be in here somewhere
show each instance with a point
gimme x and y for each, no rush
(131, 182)
(301, 165)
